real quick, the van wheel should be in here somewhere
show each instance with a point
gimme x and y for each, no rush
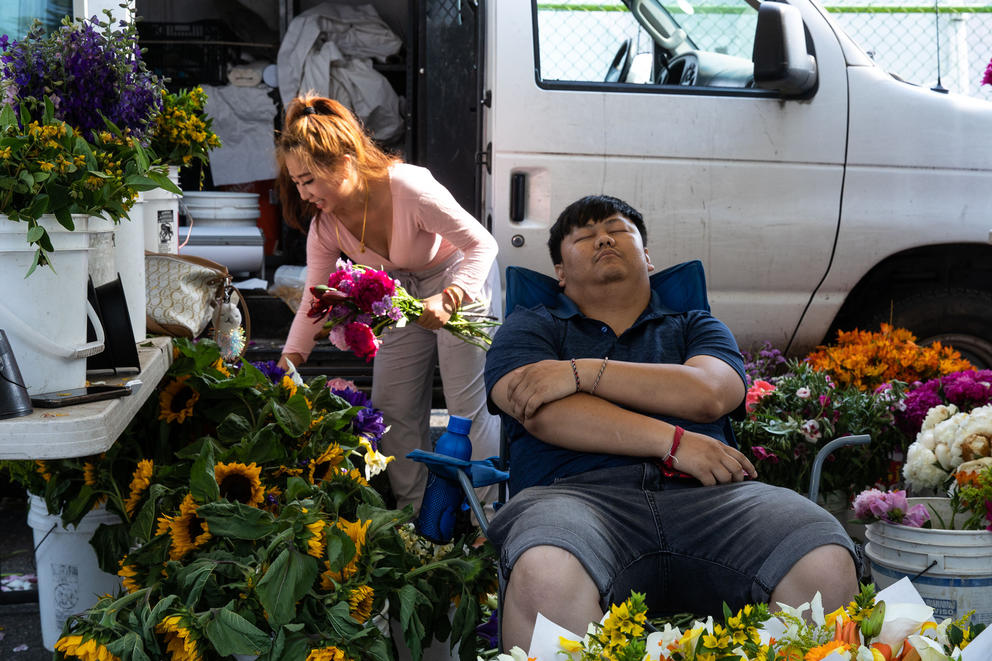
(961, 318)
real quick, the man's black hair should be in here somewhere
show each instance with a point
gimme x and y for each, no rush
(591, 208)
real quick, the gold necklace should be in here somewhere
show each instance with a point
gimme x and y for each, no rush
(365, 217)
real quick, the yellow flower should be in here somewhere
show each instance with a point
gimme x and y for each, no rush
(42, 468)
(179, 640)
(821, 651)
(360, 602)
(356, 532)
(321, 468)
(189, 531)
(315, 543)
(240, 483)
(46, 166)
(89, 474)
(176, 401)
(288, 384)
(140, 480)
(375, 462)
(220, 367)
(326, 654)
(570, 646)
(127, 573)
(88, 650)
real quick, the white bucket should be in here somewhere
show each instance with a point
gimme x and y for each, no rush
(69, 578)
(221, 208)
(120, 248)
(951, 569)
(45, 314)
(161, 217)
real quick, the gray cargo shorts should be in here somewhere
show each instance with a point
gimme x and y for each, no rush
(690, 548)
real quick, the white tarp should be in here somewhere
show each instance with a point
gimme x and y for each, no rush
(243, 120)
(329, 49)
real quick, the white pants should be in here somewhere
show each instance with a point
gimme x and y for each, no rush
(402, 380)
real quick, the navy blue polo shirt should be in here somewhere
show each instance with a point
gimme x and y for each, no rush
(659, 335)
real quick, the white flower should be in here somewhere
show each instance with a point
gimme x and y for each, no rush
(937, 415)
(928, 649)
(658, 641)
(811, 430)
(516, 654)
(921, 469)
(901, 620)
(864, 654)
(375, 462)
(803, 393)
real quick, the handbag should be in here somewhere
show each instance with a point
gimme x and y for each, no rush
(185, 293)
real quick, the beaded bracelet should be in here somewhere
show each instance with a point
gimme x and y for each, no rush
(575, 373)
(602, 368)
(455, 300)
(676, 439)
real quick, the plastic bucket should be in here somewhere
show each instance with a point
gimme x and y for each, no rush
(160, 213)
(951, 569)
(221, 208)
(120, 248)
(45, 314)
(69, 578)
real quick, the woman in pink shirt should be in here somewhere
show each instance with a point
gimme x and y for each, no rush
(390, 215)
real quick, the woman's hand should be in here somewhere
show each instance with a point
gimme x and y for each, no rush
(436, 312)
(295, 358)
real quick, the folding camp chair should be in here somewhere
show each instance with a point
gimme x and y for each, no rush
(681, 287)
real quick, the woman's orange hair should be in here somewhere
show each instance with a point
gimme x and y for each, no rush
(319, 132)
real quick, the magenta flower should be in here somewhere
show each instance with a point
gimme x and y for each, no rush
(916, 516)
(762, 453)
(987, 79)
(361, 340)
(371, 287)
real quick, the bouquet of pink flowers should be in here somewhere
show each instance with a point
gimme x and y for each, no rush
(359, 303)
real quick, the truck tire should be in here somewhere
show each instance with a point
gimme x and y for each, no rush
(960, 318)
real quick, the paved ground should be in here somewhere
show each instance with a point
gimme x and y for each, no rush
(20, 624)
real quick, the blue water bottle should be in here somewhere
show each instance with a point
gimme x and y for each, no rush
(443, 498)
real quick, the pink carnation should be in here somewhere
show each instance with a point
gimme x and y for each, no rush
(754, 394)
(371, 287)
(361, 340)
(341, 280)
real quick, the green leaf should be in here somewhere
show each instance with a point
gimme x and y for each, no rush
(193, 579)
(236, 520)
(27, 178)
(293, 416)
(7, 117)
(162, 181)
(202, 483)
(297, 488)
(286, 581)
(143, 523)
(234, 428)
(229, 633)
(111, 543)
(35, 233)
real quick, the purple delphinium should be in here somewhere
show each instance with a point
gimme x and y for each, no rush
(271, 370)
(488, 631)
(87, 70)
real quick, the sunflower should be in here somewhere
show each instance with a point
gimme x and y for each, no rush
(316, 543)
(89, 474)
(356, 476)
(240, 483)
(360, 602)
(271, 500)
(356, 532)
(188, 530)
(127, 574)
(179, 640)
(220, 367)
(326, 654)
(42, 468)
(176, 401)
(321, 467)
(140, 480)
(288, 384)
(88, 650)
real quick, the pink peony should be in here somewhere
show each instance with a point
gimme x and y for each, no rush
(362, 340)
(341, 280)
(754, 394)
(371, 287)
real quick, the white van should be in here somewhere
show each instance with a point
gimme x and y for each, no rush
(820, 192)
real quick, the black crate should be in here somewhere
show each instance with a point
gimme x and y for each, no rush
(188, 53)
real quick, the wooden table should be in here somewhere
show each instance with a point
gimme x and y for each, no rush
(86, 429)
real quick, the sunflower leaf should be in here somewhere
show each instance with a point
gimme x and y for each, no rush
(293, 416)
(202, 483)
(286, 581)
(236, 520)
(229, 633)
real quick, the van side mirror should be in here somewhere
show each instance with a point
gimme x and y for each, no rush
(781, 62)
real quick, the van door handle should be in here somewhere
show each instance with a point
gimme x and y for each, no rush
(518, 189)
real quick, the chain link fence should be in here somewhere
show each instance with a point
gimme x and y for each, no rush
(948, 41)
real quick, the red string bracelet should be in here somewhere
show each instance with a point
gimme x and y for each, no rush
(676, 439)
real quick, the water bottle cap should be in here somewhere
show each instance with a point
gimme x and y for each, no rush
(459, 425)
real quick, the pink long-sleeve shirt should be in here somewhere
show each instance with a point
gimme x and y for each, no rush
(429, 226)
